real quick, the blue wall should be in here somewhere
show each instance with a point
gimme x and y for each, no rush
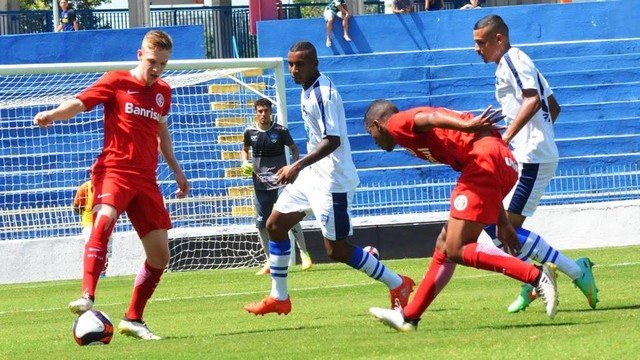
(453, 28)
(95, 45)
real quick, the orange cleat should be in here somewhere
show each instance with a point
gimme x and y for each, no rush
(269, 305)
(400, 295)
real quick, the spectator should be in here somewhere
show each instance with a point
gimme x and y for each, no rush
(337, 8)
(402, 6)
(431, 5)
(68, 21)
(473, 4)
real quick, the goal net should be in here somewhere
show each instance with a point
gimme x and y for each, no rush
(212, 103)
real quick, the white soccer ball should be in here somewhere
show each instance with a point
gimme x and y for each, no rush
(373, 251)
(93, 327)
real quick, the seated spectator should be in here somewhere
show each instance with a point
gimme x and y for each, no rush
(431, 5)
(473, 4)
(337, 8)
(402, 6)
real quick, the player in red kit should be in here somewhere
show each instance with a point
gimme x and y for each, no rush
(136, 104)
(473, 146)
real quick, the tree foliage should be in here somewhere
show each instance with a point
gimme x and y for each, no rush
(47, 4)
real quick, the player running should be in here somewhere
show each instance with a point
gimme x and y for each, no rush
(136, 105)
(472, 146)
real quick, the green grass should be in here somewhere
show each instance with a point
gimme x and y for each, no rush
(200, 316)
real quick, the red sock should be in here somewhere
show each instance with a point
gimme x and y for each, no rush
(474, 256)
(427, 290)
(146, 282)
(95, 254)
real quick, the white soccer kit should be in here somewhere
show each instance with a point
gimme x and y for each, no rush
(327, 186)
(534, 146)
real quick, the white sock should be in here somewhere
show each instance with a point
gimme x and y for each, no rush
(280, 252)
(369, 265)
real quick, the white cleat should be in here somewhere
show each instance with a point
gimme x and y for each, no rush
(394, 318)
(136, 329)
(81, 305)
(548, 290)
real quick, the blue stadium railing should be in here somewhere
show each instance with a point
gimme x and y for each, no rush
(222, 23)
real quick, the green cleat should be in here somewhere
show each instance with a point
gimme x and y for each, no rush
(526, 296)
(587, 283)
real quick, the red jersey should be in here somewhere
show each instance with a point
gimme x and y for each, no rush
(436, 145)
(132, 112)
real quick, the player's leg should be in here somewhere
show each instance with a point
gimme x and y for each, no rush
(298, 235)
(328, 17)
(263, 206)
(333, 213)
(151, 221)
(288, 211)
(345, 28)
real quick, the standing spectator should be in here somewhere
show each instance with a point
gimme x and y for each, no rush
(402, 6)
(337, 8)
(431, 5)
(530, 111)
(473, 4)
(267, 141)
(68, 21)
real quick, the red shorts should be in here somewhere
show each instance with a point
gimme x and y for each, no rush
(136, 194)
(489, 173)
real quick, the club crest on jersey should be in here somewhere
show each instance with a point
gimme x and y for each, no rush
(511, 163)
(273, 138)
(159, 99)
(460, 202)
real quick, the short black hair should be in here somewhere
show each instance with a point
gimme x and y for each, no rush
(304, 46)
(379, 109)
(495, 22)
(264, 102)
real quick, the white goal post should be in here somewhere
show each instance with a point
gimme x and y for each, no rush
(40, 169)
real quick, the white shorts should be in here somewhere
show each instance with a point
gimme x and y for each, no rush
(532, 182)
(328, 14)
(331, 210)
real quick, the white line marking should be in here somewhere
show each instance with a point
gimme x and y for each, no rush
(208, 296)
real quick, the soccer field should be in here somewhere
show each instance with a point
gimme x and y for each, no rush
(199, 315)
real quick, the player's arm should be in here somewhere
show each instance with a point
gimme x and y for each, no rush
(554, 108)
(295, 153)
(166, 149)
(64, 111)
(424, 121)
(80, 199)
(530, 105)
(507, 234)
(288, 174)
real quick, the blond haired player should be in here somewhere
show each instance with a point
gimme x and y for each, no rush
(136, 105)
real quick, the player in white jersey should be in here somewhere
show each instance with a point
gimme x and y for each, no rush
(323, 181)
(530, 111)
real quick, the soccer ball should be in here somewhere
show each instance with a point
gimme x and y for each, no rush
(373, 251)
(93, 327)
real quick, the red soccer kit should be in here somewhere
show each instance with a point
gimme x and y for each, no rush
(124, 174)
(488, 169)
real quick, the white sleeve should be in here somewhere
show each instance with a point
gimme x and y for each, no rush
(331, 121)
(526, 71)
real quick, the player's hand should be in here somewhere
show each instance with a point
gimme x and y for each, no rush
(509, 238)
(43, 119)
(247, 169)
(487, 121)
(287, 174)
(183, 185)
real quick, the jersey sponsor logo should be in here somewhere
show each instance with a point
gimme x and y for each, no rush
(424, 152)
(129, 108)
(254, 137)
(460, 202)
(160, 100)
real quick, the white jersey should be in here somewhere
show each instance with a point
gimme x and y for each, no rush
(323, 115)
(535, 142)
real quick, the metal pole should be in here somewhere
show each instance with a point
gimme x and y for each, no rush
(56, 15)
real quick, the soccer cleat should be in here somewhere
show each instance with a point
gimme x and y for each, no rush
(136, 329)
(526, 297)
(394, 318)
(587, 283)
(266, 270)
(400, 295)
(547, 289)
(306, 260)
(81, 305)
(269, 305)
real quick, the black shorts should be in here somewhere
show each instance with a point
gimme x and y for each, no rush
(264, 200)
